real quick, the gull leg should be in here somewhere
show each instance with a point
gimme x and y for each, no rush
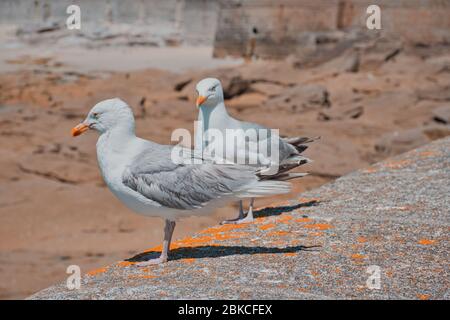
(241, 210)
(249, 216)
(240, 216)
(168, 231)
(241, 219)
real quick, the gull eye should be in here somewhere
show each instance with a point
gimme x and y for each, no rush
(95, 115)
(213, 89)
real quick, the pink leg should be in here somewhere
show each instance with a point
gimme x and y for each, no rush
(242, 218)
(168, 231)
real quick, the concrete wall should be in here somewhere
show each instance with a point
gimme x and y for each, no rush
(417, 21)
(270, 28)
(278, 28)
(193, 20)
(264, 28)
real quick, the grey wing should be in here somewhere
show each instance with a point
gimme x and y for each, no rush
(285, 150)
(288, 147)
(251, 125)
(182, 186)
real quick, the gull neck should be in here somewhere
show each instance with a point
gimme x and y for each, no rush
(119, 136)
(213, 117)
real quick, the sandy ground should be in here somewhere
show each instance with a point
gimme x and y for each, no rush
(173, 59)
(56, 211)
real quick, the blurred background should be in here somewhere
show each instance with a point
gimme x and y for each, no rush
(306, 67)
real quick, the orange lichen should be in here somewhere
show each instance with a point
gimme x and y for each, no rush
(277, 243)
(223, 228)
(314, 273)
(362, 239)
(142, 276)
(157, 248)
(316, 234)
(277, 233)
(302, 200)
(125, 263)
(267, 226)
(423, 296)
(426, 154)
(188, 260)
(232, 235)
(426, 241)
(369, 170)
(284, 219)
(200, 241)
(290, 254)
(357, 256)
(189, 242)
(319, 226)
(97, 271)
(397, 164)
(303, 220)
(259, 220)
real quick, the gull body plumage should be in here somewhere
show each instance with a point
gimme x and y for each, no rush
(213, 115)
(143, 175)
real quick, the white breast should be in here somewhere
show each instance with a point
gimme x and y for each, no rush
(113, 157)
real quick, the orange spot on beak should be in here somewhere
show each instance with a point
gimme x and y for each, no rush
(200, 100)
(79, 129)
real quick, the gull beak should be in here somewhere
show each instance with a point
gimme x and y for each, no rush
(200, 100)
(79, 129)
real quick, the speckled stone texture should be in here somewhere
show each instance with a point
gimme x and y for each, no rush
(393, 215)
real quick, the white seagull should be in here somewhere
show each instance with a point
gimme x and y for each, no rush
(213, 115)
(143, 176)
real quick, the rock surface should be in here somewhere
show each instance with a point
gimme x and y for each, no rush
(442, 115)
(400, 141)
(392, 217)
(301, 98)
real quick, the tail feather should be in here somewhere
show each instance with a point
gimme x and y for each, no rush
(286, 165)
(295, 141)
(290, 163)
(288, 176)
(299, 143)
(298, 160)
(264, 188)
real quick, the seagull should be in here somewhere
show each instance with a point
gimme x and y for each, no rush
(149, 180)
(213, 116)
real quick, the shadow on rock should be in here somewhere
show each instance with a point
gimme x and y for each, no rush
(218, 251)
(275, 211)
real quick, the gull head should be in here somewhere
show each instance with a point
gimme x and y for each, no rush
(209, 92)
(107, 115)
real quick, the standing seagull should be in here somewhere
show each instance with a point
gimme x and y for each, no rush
(143, 175)
(213, 116)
